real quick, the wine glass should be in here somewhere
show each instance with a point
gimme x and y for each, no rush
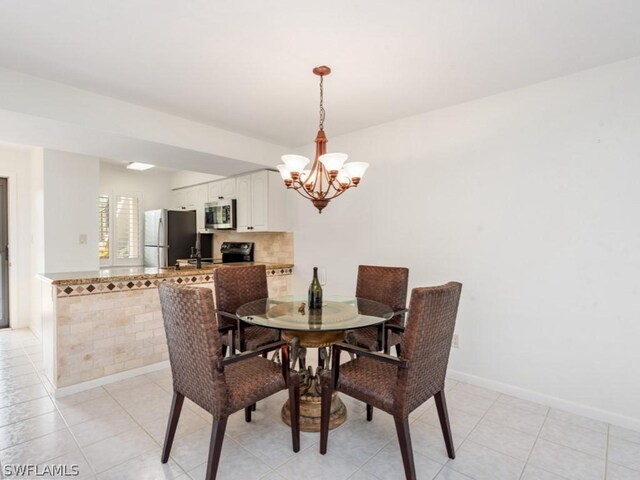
(322, 276)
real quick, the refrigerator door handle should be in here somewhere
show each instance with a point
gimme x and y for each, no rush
(158, 250)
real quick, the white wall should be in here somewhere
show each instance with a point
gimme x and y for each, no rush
(154, 185)
(529, 198)
(71, 184)
(36, 254)
(14, 163)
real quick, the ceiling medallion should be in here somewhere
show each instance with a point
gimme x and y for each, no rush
(329, 175)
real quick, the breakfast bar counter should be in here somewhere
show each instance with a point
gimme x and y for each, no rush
(104, 325)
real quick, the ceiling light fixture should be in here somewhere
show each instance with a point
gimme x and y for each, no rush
(329, 175)
(139, 166)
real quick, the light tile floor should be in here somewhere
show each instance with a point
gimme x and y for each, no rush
(116, 432)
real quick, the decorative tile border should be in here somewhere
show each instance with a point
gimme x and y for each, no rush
(276, 272)
(95, 288)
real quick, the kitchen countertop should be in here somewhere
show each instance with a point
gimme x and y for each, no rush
(119, 274)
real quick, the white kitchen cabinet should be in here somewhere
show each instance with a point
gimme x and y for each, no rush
(262, 203)
(192, 198)
(178, 199)
(220, 189)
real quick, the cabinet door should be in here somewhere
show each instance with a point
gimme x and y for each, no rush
(202, 196)
(190, 198)
(178, 199)
(243, 204)
(259, 201)
(228, 187)
(214, 191)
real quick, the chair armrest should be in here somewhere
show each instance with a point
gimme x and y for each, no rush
(227, 314)
(252, 353)
(226, 328)
(239, 328)
(395, 328)
(382, 357)
(398, 312)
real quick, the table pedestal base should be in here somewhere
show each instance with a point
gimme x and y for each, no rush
(310, 413)
(309, 381)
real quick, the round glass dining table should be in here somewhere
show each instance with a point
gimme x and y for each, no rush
(303, 328)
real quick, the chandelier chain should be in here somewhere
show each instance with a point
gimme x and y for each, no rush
(321, 103)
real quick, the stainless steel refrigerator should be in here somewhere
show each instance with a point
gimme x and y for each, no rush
(168, 236)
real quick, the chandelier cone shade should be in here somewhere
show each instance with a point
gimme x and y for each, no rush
(329, 175)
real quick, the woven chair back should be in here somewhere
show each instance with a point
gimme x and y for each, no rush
(426, 344)
(195, 349)
(387, 285)
(235, 286)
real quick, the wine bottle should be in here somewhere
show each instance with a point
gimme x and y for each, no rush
(315, 292)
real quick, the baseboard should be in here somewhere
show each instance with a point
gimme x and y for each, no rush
(548, 400)
(116, 377)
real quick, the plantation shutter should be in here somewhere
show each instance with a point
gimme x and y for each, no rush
(126, 227)
(103, 226)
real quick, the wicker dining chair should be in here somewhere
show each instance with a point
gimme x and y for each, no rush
(235, 286)
(387, 285)
(400, 385)
(219, 385)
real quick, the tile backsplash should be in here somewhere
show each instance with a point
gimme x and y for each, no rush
(272, 247)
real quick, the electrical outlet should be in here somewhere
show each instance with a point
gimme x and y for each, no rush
(456, 341)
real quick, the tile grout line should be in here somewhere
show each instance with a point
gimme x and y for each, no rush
(57, 410)
(141, 427)
(471, 431)
(64, 420)
(564, 446)
(526, 463)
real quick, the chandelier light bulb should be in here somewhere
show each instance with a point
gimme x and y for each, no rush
(295, 163)
(356, 170)
(284, 172)
(333, 161)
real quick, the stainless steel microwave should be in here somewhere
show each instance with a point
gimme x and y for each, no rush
(220, 215)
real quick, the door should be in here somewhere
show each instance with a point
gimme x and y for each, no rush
(259, 201)
(243, 205)
(155, 256)
(152, 232)
(4, 255)
(201, 199)
(181, 233)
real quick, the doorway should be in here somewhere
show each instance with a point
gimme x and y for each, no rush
(4, 254)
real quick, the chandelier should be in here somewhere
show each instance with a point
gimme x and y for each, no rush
(329, 175)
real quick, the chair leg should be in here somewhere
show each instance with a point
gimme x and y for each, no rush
(247, 413)
(215, 447)
(254, 407)
(404, 439)
(398, 350)
(224, 350)
(294, 410)
(369, 412)
(174, 416)
(443, 414)
(325, 413)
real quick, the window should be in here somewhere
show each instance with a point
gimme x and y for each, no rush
(119, 229)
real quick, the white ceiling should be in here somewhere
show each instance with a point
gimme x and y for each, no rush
(246, 65)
